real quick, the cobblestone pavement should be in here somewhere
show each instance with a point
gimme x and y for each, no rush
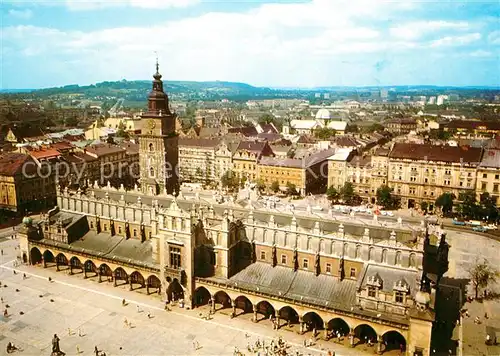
(466, 249)
(69, 306)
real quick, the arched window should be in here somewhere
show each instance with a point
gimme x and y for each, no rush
(151, 147)
(151, 172)
(357, 252)
(384, 256)
(370, 253)
(411, 261)
(398, 258)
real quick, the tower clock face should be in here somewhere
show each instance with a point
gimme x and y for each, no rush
(151, 124)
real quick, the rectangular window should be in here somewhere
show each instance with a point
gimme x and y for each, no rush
(305, 263)
(262, 255)
(283, 259)
(485, 175)
(483, 186)
(372, 292)
(328, 268)
(495, 188)
(399, 297)
(119, 229)
(497, 176)
(353, 272)
(175, 257)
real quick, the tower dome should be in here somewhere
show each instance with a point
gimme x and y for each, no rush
(323, 114)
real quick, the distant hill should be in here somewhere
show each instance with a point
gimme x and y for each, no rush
(138, 90)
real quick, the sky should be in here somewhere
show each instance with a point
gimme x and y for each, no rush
(264, 43)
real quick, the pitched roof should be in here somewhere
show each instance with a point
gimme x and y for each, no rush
(337, 125)
(251, 146)
(305, 124)
(11, 163)
(245, 130)
(103, 149)
(491, 159)
(269, 128)
(473, 125)
(429, 152)
(198, 142)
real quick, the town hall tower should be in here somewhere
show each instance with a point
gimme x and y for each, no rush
(158, 152)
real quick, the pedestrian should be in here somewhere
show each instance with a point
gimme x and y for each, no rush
(69, 332)
(50, 279)
(80, 333)
(138, 309)
(24, 275)
(1, 251)
(125, 323)
(96, 351)
(149, 315)
(77, 349)
(123, 302)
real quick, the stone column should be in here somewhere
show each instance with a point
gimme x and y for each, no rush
(212, 305)
(380, 342)
(99, 275)
(277, 323)
(130, 283)
(351, 338)
(114, 281)
(57, 265)
(301, 324)
(70, 269)
(84, 272)
(147, 288)
(233, 305)
(44, 262)
(254, 308)
(325, 325)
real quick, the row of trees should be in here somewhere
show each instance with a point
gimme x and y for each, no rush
(231, 181)
(348, 196)
(468, 206)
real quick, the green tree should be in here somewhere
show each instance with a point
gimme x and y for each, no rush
(481, 274)
(489, 209)
(324, 133)
(266, 118)
(261, 185)
(386, 199)
(275, 186)
(424, 206)
(375, 127)
(468, 207)
(291, 189)
(332, 194)
(229, 180)
(121, 132)
(348, 195)
(445, 202)
(352, 128)
(243, 181)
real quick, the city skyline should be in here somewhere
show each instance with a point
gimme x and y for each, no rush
(294, 44)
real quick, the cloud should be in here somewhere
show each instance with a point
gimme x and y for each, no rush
(86, 5)
(494, 37)
(21, 14)
(315, 43)
(480, 53)
(455, 40)
(418, 29)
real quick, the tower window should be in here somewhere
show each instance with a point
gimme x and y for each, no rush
(151, 172)
(262, 255)
(151, 147)
(175, 257)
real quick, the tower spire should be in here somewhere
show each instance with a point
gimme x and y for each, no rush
(157, 65)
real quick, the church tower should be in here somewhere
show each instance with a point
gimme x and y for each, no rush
(158, 143)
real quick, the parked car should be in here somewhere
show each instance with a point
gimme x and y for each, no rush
(491, 227)
(480, 228)
(317, 208)
(390, 213)
(458, 222)
(474, 222)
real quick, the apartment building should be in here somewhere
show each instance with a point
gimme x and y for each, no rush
(246, 158)
(422, 172)
(197, 159)
(488, 174)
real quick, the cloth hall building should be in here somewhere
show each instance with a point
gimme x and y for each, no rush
(308, 271)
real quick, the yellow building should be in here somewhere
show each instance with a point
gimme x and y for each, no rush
(246, 157)
(488, 174)
(422, 172)
(337, 167)
(24, 185)
(309, 174)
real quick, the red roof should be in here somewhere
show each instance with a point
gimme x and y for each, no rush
(44, 153)
(11, 163)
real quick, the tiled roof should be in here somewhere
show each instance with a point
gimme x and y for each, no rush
(198, 142)
(491, 159)
(472, 125)
(104, 149)
(269, 128)
(132, 148)
(284, 162)
(251, 146)
(429, 152)
(12, 163)
(360, 161)
(245, 131)
(44, 153)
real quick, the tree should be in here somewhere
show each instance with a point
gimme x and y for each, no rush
(332, 194)
(266, 119)
(275, 186)
(199, 173)
(375, 127)
(424, 206)
(243, 181)
(352, 128)
(468, 207)
(348, 195)
(261, 185)
(489, 209)
(481, 274)
(324, 133)
(386, 199)
(121, 132)
(229, 180)
(291, 189)
(445, 202)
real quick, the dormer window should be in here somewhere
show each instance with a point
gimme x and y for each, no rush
(401, 289)
(372, 292)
